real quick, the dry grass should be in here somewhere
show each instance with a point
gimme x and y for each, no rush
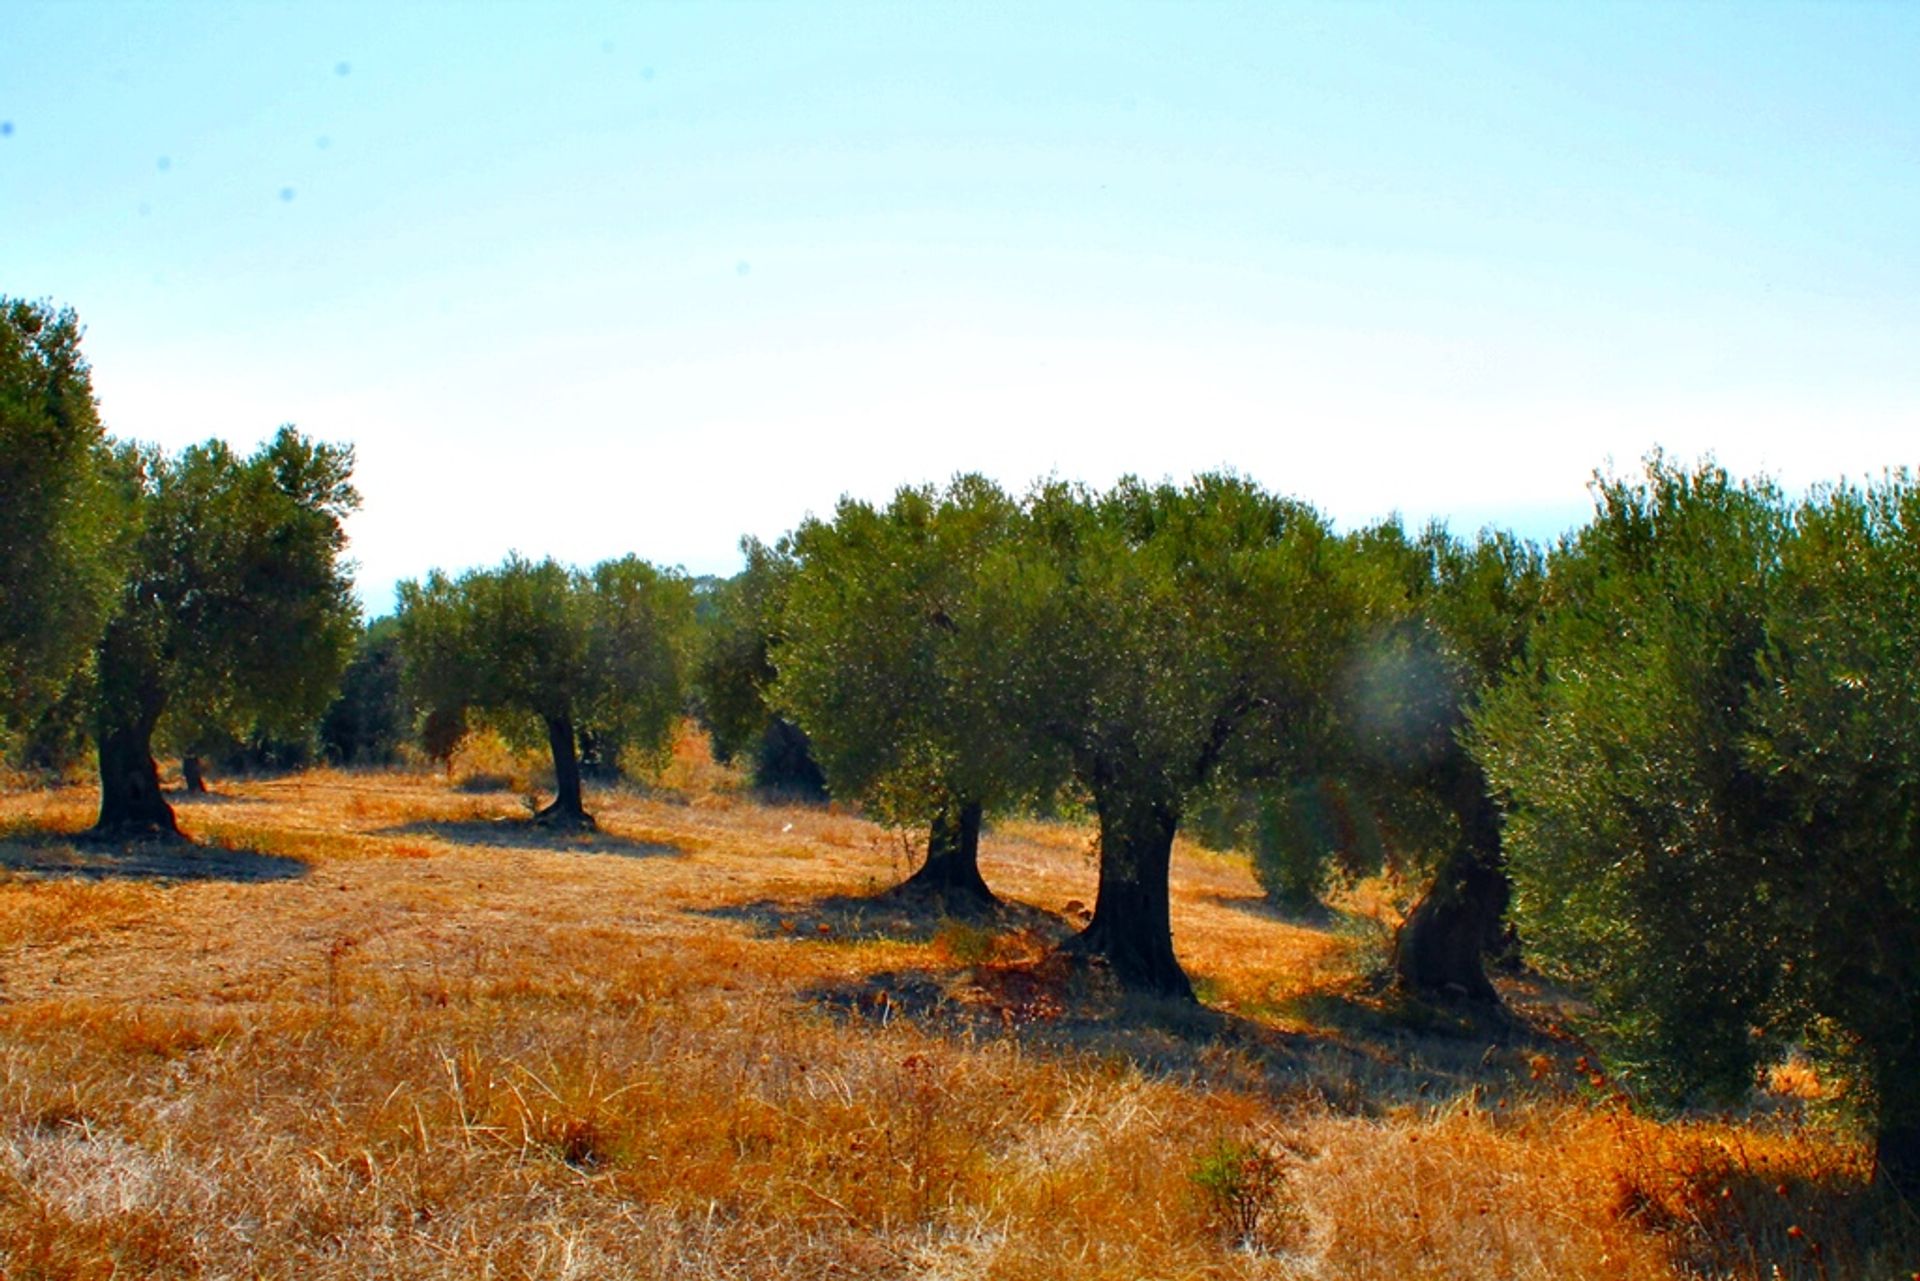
(377, 1026)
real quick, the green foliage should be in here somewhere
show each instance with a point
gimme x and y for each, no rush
(1637, 827)
(1304, 835)
(1169, 636)
(62, 521)
(370, 719)
(892, 658)
(198, 597)
(1435, 622)
(638, 628)
(1447, 620)
(1168, 641)
(732, 670)
(237, 614)
(1714, 782)
(261, 752)
(1301, 834)
(1834, 730)
(531, 645)
(58, 739)
(734, 675)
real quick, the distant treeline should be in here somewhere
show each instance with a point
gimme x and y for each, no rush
(1674, 759)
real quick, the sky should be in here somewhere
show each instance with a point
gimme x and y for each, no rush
(582, 280)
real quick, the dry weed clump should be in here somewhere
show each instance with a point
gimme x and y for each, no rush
(687, 769)
(485, 762)
(449, 1044)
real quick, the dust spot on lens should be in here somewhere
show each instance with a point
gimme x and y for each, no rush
(6, 128)
(342, 68)
(742, 268)
(286, 193)
(163, 164)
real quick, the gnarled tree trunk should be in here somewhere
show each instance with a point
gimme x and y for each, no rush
(952, 870)
(568, 809)
(784, 761)
(1132, 927)
(599, 754)
(1441, 948)
(131, 804)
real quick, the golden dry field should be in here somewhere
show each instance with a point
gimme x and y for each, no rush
(372, 1025)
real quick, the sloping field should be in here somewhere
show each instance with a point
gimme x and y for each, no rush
(373, 1026)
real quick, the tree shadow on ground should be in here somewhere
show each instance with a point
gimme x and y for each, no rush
(1365, 1062)
(1312, 916)
(1370, 1008)
(516, 833)
(1365, 1049)
(195, 800)
(46, 855)
(1721, 1214)
(900, 915)
(1356, 1046)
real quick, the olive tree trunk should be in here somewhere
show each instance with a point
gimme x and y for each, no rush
(1441, 948)
(131, 804)
(1132, 927)
(784, 761)
(568, 809)
(952, 870)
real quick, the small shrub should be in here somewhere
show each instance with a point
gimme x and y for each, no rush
(1241, 1186)
(485, 762)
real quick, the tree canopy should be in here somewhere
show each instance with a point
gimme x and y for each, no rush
(1711, 783)
(64, 527)
(370, 719)
(1835, 732)
(1631, 806)
(1690, 733)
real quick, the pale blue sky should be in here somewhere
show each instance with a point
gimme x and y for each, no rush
(584, 280)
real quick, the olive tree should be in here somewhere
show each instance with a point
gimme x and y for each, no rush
(1713, 781)
(370, 719)
(235, 609)
(63, 523)
(599, 650)
(893, 660)
(1450, 620)
(1634, 815)
(1835, 732)
(1167, 636)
